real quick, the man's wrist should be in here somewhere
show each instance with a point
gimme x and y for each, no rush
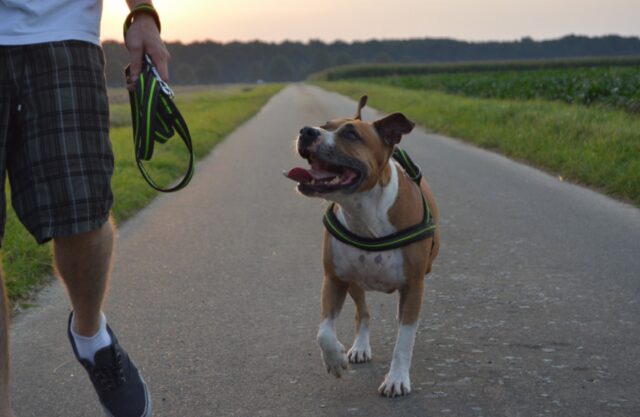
(134, 3)
(141, 8)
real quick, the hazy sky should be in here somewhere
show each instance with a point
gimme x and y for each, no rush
(277, 20)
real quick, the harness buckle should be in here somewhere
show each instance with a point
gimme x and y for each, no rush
(416, 178)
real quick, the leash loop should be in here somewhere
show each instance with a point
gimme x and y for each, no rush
(156, 118)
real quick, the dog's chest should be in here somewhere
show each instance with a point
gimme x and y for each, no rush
(373, 271)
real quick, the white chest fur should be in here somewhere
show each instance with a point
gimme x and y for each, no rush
(373, 271)
(366, 214)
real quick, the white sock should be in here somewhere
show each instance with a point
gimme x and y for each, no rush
(88, 346)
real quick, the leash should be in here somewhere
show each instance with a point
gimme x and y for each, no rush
(154, 115)
(423, 230)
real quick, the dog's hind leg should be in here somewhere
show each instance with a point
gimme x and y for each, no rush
(334, 354)
(360, 351)
(397, 382)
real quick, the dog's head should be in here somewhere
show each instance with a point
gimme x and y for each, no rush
(347, 155)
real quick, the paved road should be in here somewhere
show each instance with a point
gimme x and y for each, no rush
(532, 310)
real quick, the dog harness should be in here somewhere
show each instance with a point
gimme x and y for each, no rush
(423, 230)
(155, 117)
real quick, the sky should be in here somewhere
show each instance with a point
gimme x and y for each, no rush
(348, 20)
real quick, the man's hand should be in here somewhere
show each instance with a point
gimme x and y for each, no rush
(143, 37)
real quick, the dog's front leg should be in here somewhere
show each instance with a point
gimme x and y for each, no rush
(334, 354)
(397, 382)
(360, 351)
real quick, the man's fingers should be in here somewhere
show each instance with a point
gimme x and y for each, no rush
(161, 61)
(143, 37)
(163, 70)
(135, 62)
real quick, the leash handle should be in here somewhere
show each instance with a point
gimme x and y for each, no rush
(156, 118)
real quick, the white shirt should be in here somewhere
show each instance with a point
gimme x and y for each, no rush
(24, 22)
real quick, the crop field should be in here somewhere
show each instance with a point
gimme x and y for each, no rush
(349, 72)
(613, 82)
(611, 86)
(578, 120)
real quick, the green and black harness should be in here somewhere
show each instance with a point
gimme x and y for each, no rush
(423, 230)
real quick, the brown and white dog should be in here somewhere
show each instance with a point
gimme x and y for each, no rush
(351, 165)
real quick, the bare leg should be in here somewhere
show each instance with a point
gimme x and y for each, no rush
(333, 352)
(360, 351)
(83, 262)
(5, 400)
(397, 382)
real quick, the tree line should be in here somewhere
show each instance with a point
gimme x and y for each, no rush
(240, 62)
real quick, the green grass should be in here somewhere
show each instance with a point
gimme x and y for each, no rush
(595, 146)
(211, 113)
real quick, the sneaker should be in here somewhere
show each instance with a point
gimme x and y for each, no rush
(120, 388)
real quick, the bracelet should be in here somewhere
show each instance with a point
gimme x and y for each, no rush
(141, 8)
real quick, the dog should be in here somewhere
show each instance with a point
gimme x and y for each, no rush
(351, 165)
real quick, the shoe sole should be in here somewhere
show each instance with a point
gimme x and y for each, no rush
(147, 411)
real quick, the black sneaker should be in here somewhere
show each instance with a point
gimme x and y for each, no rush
(120, 388)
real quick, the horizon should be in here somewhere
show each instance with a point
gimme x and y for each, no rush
(279, 21)
(308, 41)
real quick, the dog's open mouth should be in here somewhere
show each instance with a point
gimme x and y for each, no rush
(323, 176)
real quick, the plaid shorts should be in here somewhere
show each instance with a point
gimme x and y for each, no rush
(54, 137)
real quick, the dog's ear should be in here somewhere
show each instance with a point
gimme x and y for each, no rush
(361, 104)
(392, 127)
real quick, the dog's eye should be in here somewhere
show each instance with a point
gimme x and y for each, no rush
(350, 134)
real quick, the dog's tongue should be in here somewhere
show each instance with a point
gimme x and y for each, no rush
(299, 175)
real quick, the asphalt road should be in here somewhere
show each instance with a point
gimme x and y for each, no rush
(533, 307)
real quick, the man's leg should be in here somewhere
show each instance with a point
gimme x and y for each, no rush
(84, 262)
(5, 403)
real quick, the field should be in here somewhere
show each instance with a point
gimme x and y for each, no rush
(349, 72)
(612, 86)
(614, 82)
(580, 123)
(211, 113)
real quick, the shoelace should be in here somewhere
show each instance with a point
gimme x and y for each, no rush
(111, 377)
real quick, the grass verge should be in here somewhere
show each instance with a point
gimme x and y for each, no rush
(212, 113)
(595, 146)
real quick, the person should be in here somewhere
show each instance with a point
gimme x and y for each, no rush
(54, 145)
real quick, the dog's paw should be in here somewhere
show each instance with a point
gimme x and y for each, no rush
(396, 384)
(360, 352)
(335, 360)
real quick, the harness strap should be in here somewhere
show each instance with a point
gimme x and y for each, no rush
(156, 118)
(423, 230)
(407, 163)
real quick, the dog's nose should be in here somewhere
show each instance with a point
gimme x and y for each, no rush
(308, 135)
(309, 132)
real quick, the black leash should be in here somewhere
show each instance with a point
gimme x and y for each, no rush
(423, 230)
(154, 115)
(156, 119)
